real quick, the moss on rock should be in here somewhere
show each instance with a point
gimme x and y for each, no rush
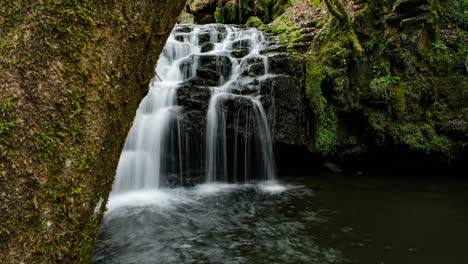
(390, 97)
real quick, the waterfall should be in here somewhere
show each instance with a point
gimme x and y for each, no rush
(237, 135)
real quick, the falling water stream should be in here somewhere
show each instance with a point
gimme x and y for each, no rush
(149, 148)
(241, 213)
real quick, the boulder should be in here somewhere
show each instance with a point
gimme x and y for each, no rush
(206, 47)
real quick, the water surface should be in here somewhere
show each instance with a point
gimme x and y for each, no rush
(320, 218)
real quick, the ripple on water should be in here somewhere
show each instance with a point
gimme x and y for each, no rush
(267, 222)
(159, 198)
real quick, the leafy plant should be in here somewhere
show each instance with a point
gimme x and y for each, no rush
(379, 87)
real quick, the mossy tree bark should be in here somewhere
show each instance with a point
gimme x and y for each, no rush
(72, 76)
(338, 10)
(336, 7)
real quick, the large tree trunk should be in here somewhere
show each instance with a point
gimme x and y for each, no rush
(72, 74)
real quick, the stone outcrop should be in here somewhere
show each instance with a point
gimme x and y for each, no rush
(72, 76)
(281, 92)
(402, 93)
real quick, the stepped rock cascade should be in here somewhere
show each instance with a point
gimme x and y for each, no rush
(225, 64)
(255, 122)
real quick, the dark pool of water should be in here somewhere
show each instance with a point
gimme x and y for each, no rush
(319, 218)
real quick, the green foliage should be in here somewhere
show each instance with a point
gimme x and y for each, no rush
(329, 60)
(296, 37)
(119, 20)
(398, 100)
(375, 43)
(440, 58)
(392, 101)
(219, 15)
(237, 11)
(317, 3)
(319, 24)
(230, 11)
(420, 137)
(283, 38)
(297, 47)
(281, 28)
(326, 123)
(294, 29)
(378, 122)
(254, 22)
(76, 190)
(458, 9)
(379, 87)
(326, 133)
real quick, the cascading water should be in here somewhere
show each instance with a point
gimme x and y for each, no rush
(208, 113)
(216, 146)
(158, 146)
(151, 149)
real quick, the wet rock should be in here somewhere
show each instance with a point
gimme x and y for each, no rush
(284, 63)
(240, 53)
(424, 19)
(207, 36)
(412, 30)
(206, 47)
(208, 74)
(332, 167)
(289, 107)
(253, 70)
(242, 44)
(249, 86)
(281, 93)
(218, 63)
(392, 20)
(203, 38)
(405, 6)
(184, 29)
(273, 48)
(207, 19)
(198, 81)
(194, 99)
(179, 37)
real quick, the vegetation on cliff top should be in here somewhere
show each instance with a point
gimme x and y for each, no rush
(237, 11)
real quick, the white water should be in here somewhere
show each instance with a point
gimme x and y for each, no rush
(216, 146)
(157, 144)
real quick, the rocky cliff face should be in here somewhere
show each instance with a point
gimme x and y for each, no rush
(274, 76)
(282, 93)
(388, 77)
(72, 75)
(392, 81)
